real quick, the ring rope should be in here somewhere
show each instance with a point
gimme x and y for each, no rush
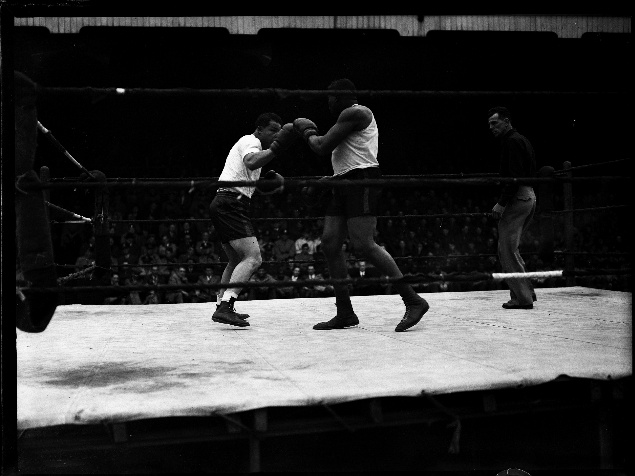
(592, 209)
(299, 177)
(72, 222)
(412, 279)
(290, 182)
(350, 260)
(306, 262)
(208, 220)
(563, 171)
(285, 93)
(434, 215)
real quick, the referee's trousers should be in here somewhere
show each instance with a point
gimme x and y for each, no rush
(515, 220)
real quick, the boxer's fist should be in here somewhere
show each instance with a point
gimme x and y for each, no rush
(284, 139)
(305, 127)
(316, 198)
(275, 185)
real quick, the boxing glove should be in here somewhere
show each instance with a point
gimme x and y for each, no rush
(284, 139)
(305, 127)
(316, 198)
(275, 185)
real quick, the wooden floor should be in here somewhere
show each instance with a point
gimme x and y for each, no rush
(121, 363)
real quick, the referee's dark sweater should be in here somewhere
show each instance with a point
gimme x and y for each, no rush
(517, 159)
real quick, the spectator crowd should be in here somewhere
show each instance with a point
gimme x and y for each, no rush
(166, 237)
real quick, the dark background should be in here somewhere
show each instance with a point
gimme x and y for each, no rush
(191, 136)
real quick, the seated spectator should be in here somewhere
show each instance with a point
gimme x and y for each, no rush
(285, 292)
(155, 278)
(412, 240)
(173, 234)
(167, 244)
(437, 275)
(302, 240)
(132, 239)
(318, 290)
(188, 232)
(264, 240)
(184, 245)
(315, 240)
(362, 272)
(178, 296)
(303, 257)
(190, 254)
(192, 271)
(152, 242)
(211, 258)
(283, 247)
(297, 275)
(125, 262)
(113, 296)
(206, 294)
(152, 298)
(261, 276)
(133, 297)
(148, 257)
(266, 250)
(348, 255)
(170, 259)
(453, 258)
(153, 213)
(421, 250)
(401, 251)
(204, 246)
(464, 237)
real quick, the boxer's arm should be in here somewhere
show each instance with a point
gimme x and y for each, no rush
(350, 120)
(256, 160)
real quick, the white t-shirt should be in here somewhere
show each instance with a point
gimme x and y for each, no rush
(358, 150)
(235, 168)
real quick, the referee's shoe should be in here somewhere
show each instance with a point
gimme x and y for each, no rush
(225, 314)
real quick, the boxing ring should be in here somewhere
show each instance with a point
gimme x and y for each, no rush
(116, 366)
(113, 379)
(126, 363)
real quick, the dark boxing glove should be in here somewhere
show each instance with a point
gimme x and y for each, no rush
(284, 139)
(317, 198)
(305, 127)
(275, 185)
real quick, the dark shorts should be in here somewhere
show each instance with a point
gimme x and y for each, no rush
(231, 216)
(355, 201)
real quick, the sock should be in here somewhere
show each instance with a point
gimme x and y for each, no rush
(218, 298)
(228, 295)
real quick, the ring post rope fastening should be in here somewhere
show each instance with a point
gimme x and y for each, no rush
(61, 148)
(64, 210)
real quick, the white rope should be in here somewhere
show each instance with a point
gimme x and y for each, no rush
(533, 274)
